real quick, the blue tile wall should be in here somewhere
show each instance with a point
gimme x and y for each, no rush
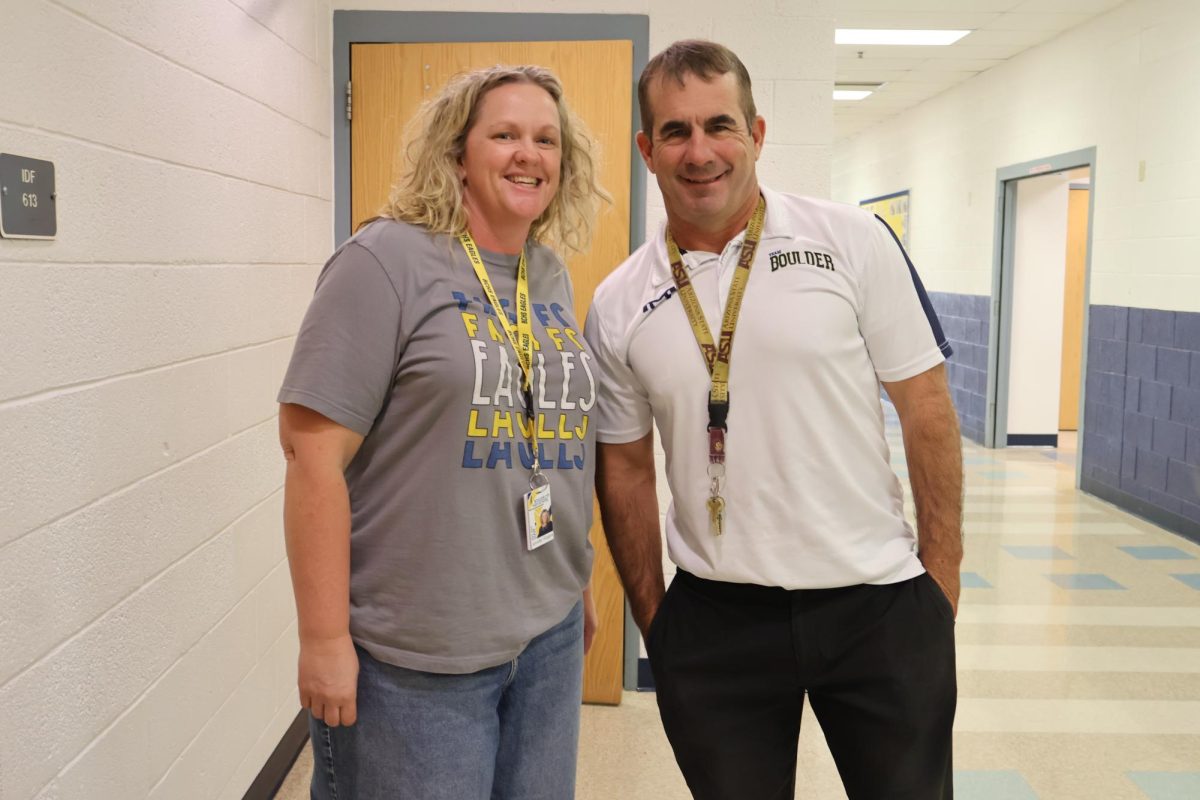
(1141, 443)
(966, 321)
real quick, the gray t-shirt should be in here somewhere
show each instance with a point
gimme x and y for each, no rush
(400, 345)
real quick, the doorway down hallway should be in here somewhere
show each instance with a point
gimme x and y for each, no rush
(1078, 656)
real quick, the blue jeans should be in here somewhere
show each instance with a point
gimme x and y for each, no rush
(505, 733)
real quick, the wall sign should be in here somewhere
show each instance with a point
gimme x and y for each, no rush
(893, 209)
(27, 198)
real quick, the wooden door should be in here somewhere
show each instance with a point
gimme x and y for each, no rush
(1073, 309)
(389, 83)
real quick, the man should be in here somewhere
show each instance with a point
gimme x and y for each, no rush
(797, 571)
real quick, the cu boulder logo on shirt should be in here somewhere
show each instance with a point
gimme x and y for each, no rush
(780, 259)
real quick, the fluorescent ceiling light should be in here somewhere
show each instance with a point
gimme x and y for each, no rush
(853, 91)
(901, 37)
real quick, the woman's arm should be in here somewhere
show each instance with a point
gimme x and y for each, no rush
(316, 523)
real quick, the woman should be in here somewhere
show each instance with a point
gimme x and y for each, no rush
(440, 630)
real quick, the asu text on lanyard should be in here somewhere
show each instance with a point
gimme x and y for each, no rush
(717, 355)
(536, 503)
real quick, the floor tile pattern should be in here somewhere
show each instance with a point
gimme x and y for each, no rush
(1090, 581)
(1189, 579)
(1151, 553)
(1168, 785)
(1001, 784)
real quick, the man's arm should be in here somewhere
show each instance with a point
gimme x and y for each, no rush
(629, 509)
(934, 452)
(591, 620)
(316, 524)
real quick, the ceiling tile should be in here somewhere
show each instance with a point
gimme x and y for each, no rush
(939, 75)
(879, 63)
(1001, 29)
(915, 20)
(959, 64)
(1017, 21)
(1089, 7)
(872, 75)
(1023, 39)
(912, 89)
(947, 6)
(995, 51)
(961, 50)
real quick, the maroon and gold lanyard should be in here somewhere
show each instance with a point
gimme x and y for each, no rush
(717, 357)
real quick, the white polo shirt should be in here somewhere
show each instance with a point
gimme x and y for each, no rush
(832, 307)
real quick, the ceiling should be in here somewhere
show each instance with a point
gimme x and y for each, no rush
(1000, 29)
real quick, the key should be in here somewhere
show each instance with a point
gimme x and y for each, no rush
(716, 515)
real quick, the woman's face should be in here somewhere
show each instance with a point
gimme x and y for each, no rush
(513, 156)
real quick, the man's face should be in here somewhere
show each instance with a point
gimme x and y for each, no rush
(701, 150)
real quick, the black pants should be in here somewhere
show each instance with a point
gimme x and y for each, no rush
(733, 662)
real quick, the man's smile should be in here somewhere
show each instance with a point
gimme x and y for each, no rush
(704, 181)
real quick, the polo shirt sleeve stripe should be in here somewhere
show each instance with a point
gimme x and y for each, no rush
(934, 324)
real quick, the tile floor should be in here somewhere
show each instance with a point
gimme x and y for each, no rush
(1078, 655)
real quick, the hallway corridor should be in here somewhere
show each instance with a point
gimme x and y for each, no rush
(1078, 656)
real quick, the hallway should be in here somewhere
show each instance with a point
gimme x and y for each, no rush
(1078, 656)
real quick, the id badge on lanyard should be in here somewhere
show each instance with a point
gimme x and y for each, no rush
(539, 516)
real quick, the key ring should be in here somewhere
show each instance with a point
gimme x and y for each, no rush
(538, 479)
(716, 474)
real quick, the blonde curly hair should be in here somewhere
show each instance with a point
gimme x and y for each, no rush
(429, 191)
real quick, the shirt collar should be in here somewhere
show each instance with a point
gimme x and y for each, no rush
(774, 227)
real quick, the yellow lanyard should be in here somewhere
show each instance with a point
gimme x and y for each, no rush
(717, 357)
(521, 338)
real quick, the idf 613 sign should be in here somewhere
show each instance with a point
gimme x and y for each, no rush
(27, 198)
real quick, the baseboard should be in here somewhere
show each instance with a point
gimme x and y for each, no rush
(1032, 440)
(1188, 529)
(271, 776)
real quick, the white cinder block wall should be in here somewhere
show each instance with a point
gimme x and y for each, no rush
(1125, 83)
(147, 634)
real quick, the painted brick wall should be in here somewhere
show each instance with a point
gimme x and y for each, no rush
(147, 638)
(1141, 445)
(966, 322)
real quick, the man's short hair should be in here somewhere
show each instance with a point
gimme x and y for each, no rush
(703, 59)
